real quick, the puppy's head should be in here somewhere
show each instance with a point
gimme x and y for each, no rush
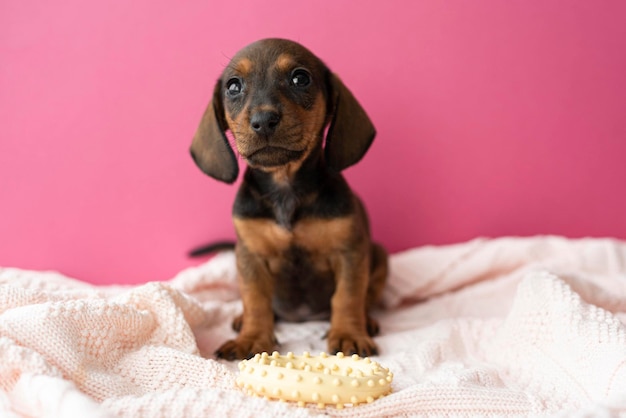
(276, 98)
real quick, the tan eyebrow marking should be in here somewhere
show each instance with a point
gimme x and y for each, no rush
(284, 62)
(244, 66)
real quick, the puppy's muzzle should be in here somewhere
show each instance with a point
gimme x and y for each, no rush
(271, 148)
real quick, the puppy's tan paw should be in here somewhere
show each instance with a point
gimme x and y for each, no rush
(351, 343)
(246, 347)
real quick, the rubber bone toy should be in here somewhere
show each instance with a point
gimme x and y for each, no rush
(324, 379)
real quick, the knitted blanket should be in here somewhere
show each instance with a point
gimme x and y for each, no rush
(510, 326)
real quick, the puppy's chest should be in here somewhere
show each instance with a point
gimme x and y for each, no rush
(271, 224)
(315, 236)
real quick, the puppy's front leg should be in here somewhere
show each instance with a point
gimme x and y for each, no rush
(348, 322)
(256, 284)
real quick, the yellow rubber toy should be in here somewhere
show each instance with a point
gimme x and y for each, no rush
(322, 380)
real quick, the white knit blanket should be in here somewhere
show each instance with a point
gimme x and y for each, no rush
(502, 327)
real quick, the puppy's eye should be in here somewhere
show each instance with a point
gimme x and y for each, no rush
(234, 87)
(300, 77)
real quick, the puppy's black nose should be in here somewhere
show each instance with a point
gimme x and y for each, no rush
(264, 122)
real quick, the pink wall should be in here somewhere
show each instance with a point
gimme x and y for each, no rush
(494, 118)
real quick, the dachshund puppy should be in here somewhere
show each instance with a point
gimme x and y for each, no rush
(303, 242)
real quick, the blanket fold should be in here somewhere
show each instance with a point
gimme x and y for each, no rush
(491, 327)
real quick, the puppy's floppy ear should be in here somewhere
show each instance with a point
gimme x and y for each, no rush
(351, 132)
(210, 148)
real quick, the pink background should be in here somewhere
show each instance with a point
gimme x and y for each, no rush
(494, 118)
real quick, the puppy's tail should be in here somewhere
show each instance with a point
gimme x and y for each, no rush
(212, 248)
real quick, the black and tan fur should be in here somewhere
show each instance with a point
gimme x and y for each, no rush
(303, 241)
